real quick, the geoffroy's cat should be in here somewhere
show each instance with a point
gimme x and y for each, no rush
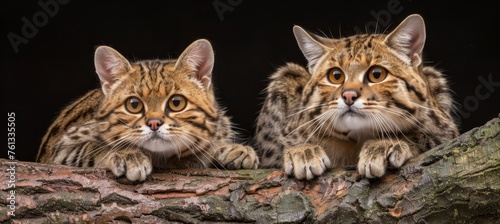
(365, 99)
(159, 113)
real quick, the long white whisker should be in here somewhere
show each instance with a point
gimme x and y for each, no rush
(197, 149)
(112, 147)
(308, 122)
(390, 122)
(305, 109)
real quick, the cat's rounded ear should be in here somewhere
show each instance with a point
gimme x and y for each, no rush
(310, 45)
(199, 57)
(409, 39)
(109, 65)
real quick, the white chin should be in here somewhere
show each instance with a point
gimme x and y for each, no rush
(163, 146)
(355, 123)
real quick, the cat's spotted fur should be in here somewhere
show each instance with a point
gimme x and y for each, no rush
(159, 113)
(364, 99)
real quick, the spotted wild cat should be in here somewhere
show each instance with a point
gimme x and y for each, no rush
(159, 113)
(365, 99)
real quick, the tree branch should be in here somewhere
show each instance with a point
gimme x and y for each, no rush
(457, 182)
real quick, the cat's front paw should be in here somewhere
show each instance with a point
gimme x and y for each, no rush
(134, 164)
(236, 156)
(306, 161)
(377, 155)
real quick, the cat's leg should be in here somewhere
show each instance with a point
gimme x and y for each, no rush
(79, 145)
(377, 155)
(283, 98)
(237, 156)
(82, 146)
(306, 161)
(131, 163)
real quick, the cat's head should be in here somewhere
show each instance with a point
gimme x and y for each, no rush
(164, 106)
(366, 84)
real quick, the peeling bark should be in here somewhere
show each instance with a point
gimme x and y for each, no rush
(457, 182)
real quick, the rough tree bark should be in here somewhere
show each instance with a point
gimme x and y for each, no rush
(457, 182)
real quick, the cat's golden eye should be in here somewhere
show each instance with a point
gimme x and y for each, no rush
(336, 76)
(176, 103)
(376, 74)
(134, 105)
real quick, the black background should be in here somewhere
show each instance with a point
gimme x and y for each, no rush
(251, 39)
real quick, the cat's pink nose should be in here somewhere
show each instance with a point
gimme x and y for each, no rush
(154, 124)
(350, 96)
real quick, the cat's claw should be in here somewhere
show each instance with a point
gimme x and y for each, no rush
(135, 165)
(306, 161)
(377, 155)
(236, 156)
